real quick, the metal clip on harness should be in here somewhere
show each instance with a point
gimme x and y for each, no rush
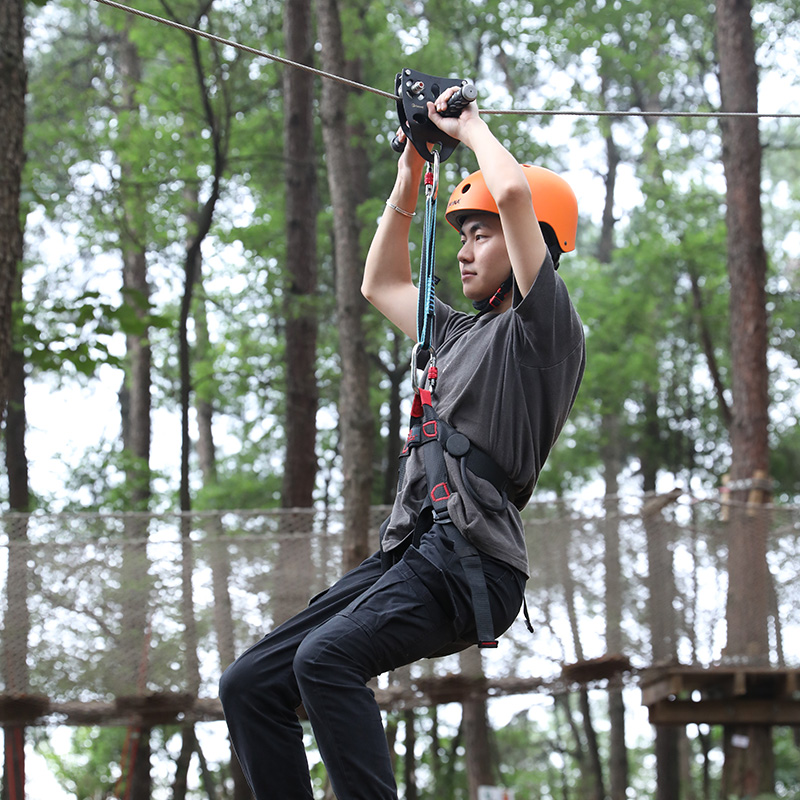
(423, 378)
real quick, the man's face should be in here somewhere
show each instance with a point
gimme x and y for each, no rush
(483, 257)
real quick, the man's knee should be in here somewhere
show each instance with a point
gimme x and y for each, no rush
(334, 654)
(305, 660)
(231, 684)
(321, 657)
(253, 680)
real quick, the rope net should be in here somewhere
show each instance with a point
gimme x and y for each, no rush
(101, 606)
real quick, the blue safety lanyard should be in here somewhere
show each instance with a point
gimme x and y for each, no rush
(427, 265)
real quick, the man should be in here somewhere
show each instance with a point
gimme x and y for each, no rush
(507, 379)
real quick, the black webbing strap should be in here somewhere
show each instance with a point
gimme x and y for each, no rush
(472, 460)
(473, 570)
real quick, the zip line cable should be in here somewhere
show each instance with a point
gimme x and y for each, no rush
(391, 96)
(252, 50)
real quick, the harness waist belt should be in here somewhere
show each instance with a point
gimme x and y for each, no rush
(473, 458)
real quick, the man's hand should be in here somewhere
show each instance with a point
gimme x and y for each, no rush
(453, 126)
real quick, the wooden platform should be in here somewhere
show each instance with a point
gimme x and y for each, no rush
(172, 708)
(162, 708)
(673, 694)
(721, 695)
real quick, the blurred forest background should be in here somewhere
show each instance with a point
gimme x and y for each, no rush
(182, 233)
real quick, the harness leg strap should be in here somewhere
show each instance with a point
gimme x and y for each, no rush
(473, 569)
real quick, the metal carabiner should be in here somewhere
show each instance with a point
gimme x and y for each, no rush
(432, 174)
(419, 377)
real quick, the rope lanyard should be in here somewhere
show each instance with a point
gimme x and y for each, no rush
(427, 264)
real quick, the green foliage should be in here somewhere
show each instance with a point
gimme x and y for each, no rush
(90, 769)
(540, 757)
(112, 170)
(646, 315)
(785, 464)
(78, 333)
(787, 763)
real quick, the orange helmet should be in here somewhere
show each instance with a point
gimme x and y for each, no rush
(553, 201)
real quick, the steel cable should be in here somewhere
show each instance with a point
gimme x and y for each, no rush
(390, 96)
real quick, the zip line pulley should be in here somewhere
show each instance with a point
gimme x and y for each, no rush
(414, 90)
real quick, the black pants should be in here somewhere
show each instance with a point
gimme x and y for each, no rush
(367, 623)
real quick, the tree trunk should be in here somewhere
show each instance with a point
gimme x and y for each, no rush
(141, 780)
(355, 418)
(749, 760)
(13, 83)
(480, 765)
(661, 594)
(208, 779)
(16, 626)
(136, 426)
(592, 768)
(202, 218)
(410, 760)
(180, 783)
(135, 391)
(612, 466)
(661, 579)
(217, 546)
(136, 432)
(605, 245)
(301, 261)
(396, 372)
(300, 463)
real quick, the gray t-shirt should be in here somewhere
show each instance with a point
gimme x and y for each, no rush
(507, 382)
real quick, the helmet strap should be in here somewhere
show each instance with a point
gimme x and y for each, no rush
(496, 300)
(551, 240)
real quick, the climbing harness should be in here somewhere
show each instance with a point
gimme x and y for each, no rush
(435, 437)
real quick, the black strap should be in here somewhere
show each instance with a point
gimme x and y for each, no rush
(496, 300)
(391, 557)
(473, 570)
